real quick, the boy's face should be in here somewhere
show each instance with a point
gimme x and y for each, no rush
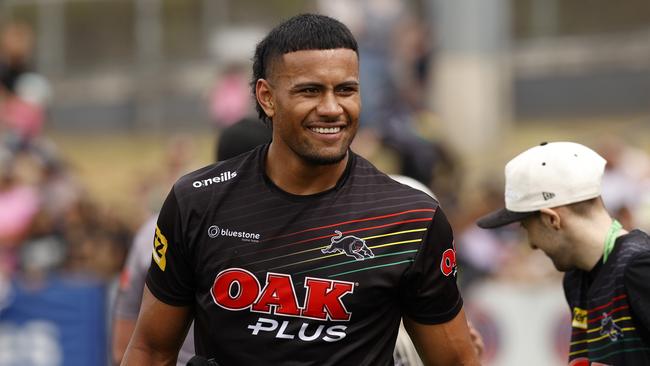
(550, 241)
(316, 103)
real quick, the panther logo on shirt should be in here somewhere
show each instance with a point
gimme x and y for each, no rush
(350, 245)
(610, 328)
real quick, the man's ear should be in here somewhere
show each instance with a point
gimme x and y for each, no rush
(264, 96)
(550, 218)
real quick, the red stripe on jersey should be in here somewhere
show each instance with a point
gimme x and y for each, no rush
(608, 304)
(610, 313)
(352, 221)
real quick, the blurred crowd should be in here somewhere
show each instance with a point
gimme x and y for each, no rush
(50, 224)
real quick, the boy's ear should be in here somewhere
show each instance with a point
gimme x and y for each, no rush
(264, 96)
(550, 218)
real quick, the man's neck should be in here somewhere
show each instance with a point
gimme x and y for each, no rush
(294, 175)
(590, 240)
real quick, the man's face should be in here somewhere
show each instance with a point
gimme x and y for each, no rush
(550, 241)
(316, 103)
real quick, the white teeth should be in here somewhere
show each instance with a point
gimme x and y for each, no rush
(326, 130)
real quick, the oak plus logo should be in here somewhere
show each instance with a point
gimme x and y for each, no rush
(237, 289)
(223, 177)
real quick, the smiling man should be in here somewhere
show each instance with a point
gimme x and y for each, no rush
(301, 252)
(312, 98)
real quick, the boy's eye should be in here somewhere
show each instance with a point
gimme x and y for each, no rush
(347, 90)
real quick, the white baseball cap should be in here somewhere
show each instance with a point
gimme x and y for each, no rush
(548, 175)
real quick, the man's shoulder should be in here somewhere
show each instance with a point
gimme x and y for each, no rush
(367, 175)
(636, 243)
(215, 176)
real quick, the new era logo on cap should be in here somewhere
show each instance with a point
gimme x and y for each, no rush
(547, 195)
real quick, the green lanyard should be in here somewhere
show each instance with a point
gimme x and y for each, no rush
(611, 238)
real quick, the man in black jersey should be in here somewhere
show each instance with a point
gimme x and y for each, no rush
(554, 191)
(301, 252)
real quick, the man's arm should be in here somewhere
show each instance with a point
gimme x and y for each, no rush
(443, 344)
(637, 284)
(159, 333)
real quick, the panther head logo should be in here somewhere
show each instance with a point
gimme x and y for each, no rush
(350, 245)
(610, 328)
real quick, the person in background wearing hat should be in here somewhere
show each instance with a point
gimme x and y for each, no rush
(554, 190)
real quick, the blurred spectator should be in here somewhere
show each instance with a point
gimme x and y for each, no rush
(19, 205)
(412, 59)
(230, 98)
(242, 136)
(16, 45)
(60, 189)
(97, 241)
(23, 94)
(154, 185)
(23, 112)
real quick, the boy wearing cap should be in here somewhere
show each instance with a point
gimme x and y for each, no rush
(553, 190)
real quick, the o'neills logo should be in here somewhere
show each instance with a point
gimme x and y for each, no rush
(221, 178)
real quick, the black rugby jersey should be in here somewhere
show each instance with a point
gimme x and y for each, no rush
(281, 279)
(611, 306)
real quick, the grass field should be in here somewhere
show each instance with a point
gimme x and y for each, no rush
(112, 167)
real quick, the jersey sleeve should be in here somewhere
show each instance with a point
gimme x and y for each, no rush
(428, 292)
(637, 284)
(170, 277)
